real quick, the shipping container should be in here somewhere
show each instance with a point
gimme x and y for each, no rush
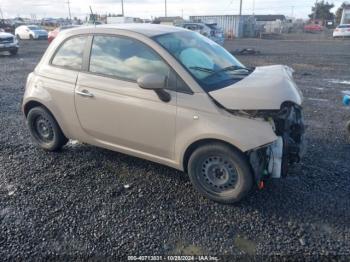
(119, 20)
(346, 15)
(232, 25)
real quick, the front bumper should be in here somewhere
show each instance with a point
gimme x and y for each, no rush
(8, 47)
(275, 159)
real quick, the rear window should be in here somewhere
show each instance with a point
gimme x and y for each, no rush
(70, 54)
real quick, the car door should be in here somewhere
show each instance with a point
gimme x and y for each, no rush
(57, 80)
(20, 32)
(25, 32)
(114, 110)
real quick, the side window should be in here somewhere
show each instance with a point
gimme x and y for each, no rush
(175, 83)
(124, 58)
(70, 54)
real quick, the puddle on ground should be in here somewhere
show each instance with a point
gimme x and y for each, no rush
(188, 250)
(317, 99)
(245, 245)
(318, 88)
(337, 81)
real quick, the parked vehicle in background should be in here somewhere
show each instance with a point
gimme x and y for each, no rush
(209, 30)
(92, 22)
(9, 43)
(342, 31)
(53, 34)
(216, 34)
(31, 32)
(171, 96)
(6, 26)
(313, 28)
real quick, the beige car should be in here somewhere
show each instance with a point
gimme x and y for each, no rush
(171, 96)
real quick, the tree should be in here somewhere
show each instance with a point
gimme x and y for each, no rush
(339, 12)
(322, 11)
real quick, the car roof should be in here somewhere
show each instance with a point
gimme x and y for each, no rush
(144, 29)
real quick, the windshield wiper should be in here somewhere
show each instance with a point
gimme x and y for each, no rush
(234, 68)
(203, 69)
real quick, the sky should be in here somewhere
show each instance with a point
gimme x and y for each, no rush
(155, 8)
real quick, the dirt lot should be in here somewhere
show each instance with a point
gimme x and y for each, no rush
(74, 203)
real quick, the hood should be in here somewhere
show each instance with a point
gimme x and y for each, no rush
(5, 35)
(266, 88)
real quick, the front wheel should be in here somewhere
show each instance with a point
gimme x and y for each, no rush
(14, 51)
(45, 130)
(220, 173)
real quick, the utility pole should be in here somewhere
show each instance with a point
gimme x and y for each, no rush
(292, 11)
(70, 15)
(122, 7)
(240, 7)
(253, 7)
(2, 15)
(166, 9)
(315, 10)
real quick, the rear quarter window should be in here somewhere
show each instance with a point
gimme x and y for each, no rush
(70, 54)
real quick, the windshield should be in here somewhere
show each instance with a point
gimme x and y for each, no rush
(210, 64)
(34, 27)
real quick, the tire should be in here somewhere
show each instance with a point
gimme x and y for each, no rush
(18, 37)
(14, 52)
(220, 173)
(45, 130)
(31, 37)
(348, 127)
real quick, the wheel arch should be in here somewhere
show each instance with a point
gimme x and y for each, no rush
(31, 104)
(192, 147)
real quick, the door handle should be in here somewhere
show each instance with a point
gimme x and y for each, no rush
(85, 93)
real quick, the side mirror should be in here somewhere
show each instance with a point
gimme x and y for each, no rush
(152, 81)
(157, 83)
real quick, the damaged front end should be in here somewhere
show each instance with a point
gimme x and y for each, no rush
(275, 159)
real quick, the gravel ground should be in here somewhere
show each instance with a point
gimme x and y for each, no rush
(87, 202)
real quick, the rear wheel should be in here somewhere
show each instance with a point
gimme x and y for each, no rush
(220, 173)
(31, 37)
(348, 127)
(45, 130)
